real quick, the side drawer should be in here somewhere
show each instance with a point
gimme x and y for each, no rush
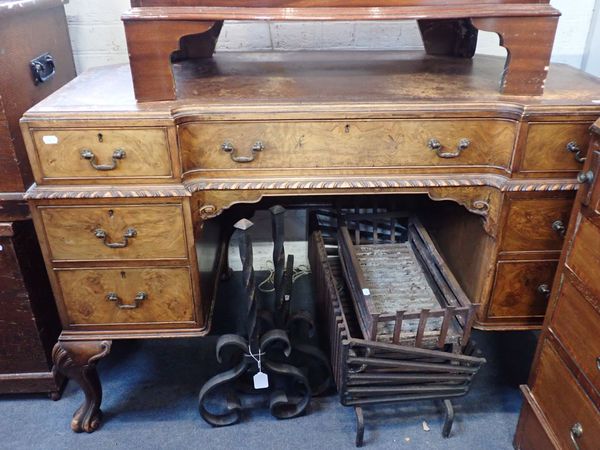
(584, 255)
(577, 323)
(102, 153)
(113, 297)
(536, 224)
(517, 293)
(119, 232)
(352, 144)
(552, 146)
(564, 402)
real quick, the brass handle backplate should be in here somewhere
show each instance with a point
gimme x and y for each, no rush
(139, 298)
(246, 157)
(544, 289)
(576, 433)
(559, 227)
(117, 155)
(574, 148)
(438, 148)
(129, 233)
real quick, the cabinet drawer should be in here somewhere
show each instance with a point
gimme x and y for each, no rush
(550, 147)
(532, 432)
(361, 144)
(583, 258)
(98, 296)
(564, 402)
(86, 233)
(102, 153)
(517, 288)
(577, 323)
(536, 224)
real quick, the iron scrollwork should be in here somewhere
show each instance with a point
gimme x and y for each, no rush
(276, 343)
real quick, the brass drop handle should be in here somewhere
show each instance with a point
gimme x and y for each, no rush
(438, 148)
(574, 148)
(576, 433)
(139, 298)
(560, 228)
(544, 289)
(585, 177)
(228, 147)
(129, 233)
(117, 155)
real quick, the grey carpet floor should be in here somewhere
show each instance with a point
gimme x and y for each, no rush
(150, 402)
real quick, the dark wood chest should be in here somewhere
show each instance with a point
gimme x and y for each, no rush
(35, 60)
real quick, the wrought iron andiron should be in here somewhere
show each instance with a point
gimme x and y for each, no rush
(261, 356)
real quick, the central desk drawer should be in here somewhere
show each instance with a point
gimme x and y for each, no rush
(360, 144)
(97, 296)
(89, 233)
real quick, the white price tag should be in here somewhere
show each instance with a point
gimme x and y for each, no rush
(261, 381)
(50, 140)
(366, 291)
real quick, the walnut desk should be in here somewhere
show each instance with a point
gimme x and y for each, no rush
(129, 196)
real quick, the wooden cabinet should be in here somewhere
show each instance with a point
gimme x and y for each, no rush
(134, 244)
(35, 60)
(563, 392)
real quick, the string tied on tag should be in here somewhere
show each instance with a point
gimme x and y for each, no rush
(261, 379)
(254, 357)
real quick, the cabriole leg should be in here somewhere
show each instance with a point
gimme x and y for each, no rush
(77, 361)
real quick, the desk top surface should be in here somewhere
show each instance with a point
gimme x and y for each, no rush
(303, 81)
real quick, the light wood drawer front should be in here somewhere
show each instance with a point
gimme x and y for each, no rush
(583, 258)
(577, 323)
(516, 288)
(536, 224)
(73, 153)
(346, 144)
(564, 402)
(108, 296)
(547, 147)
(86, 233)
